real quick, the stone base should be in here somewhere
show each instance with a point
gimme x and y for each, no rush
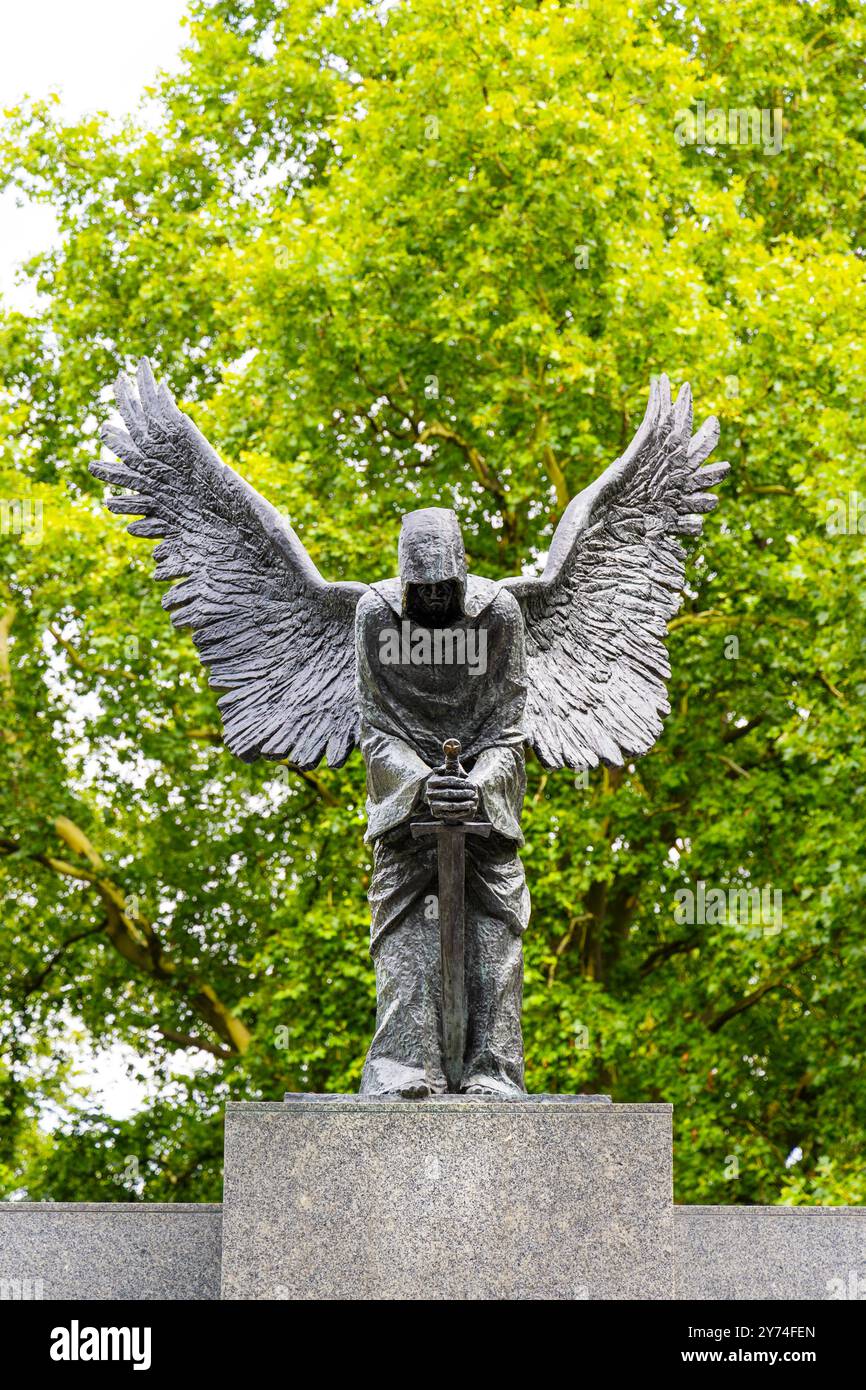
(339, 1197)
(109, 1250)
(790, 1253)
(458, 1198)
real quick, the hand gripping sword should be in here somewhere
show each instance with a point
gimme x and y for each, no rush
(451, 851)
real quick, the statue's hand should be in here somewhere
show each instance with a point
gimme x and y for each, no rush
(451, 797)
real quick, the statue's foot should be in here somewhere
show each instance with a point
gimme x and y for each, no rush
(491, 1086)
(415, 1090)
(385, 1079)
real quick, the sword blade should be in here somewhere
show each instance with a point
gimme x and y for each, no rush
(451, 865)
(452, 938)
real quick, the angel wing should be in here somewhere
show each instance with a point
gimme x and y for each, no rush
(597, 617)
(278, 639)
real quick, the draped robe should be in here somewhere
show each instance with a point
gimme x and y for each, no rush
(407, 710)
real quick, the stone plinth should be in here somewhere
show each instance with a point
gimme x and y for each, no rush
(741, 1253)
(109, 1250)
(342, 1198)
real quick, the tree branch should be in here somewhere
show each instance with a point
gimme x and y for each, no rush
(664, 952)
(33, 982)
(749, 1000)
(134, 937)
(735, 731)
(438, 430)
(734, 767)
(6, 622)
(312, 781)
(188, 1040)
(85, 666)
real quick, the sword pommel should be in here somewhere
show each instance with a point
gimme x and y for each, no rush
(452, 750)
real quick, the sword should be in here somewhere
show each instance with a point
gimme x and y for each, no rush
(451, 857)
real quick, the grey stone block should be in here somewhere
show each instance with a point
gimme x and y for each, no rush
(451, 1199)
(770, 1252)
(110, 1250)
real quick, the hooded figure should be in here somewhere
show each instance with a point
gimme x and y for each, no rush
(440, 654)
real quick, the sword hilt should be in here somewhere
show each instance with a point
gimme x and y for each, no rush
(451, 749)
(446, 828)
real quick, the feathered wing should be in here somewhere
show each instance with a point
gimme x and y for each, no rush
(596, 619)
(277, 638)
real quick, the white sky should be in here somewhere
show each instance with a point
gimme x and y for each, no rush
(98, 55)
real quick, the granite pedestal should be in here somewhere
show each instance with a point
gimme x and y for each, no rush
(109, 1250)
(791, 1253)
(333, 1198)
(342, 1198)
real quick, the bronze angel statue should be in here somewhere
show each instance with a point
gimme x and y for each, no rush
(441, 678)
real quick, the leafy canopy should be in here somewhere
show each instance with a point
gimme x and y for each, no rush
(426, 253)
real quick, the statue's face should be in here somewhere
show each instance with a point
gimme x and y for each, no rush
(434, 602)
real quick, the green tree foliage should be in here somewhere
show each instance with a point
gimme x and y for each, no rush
(432, 253)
